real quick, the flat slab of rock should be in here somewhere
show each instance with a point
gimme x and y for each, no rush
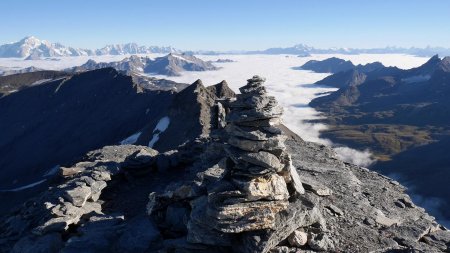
(78, 195)
(272, 144)
(263, 159)
(243, 216)
(270, 187)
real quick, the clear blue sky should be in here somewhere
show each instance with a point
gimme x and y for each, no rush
(229, 24)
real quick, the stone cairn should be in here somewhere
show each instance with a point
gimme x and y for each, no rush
(258, 178)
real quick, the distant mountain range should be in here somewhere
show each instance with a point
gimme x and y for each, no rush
(302, 49)
(33, 48)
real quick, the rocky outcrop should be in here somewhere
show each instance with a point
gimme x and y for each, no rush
(192, 114)
(43, 223)
(247, 190)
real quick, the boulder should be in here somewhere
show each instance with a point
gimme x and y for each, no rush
(274, 144)
(263, 159)
(242, 216)
(250, 133)
(78, 195)
(298, 238)
(255, 114)
(270, 187)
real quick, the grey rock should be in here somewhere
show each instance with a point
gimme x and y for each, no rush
(96, 189)
(317, 188)
(274, 144)
(321, 242)
(221, 116)
(215, 173)
(295, 180)
(151, 203)
(249, 170)
(334, 210)
(253, 102)
(439, 239)
(251, 133)
(199, 226)
(78, 195)
(242, 216)
(96, 235)
(270, 187)
(298, 238)
(262, 123)
(281, 249)
(251, 91)
(251, 115)
(263, 159)
(300, 213)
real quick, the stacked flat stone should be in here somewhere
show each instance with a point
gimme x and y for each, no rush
(261, 176)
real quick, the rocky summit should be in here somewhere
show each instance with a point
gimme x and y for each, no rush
(253, 183)
(248, 184)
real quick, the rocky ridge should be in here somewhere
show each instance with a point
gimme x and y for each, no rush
(236, 190)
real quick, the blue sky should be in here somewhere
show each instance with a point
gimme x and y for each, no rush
(229, 24)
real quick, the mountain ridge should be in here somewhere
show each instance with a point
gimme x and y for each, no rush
(34, 48)
(41, 48)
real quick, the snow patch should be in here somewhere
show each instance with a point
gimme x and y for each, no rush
(181, 58)
(51, 171)
(162, 125)
(25, 186)
(41, 81)
(131, 139)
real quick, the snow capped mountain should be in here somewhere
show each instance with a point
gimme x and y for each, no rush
(133, 48)
(33, 48)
